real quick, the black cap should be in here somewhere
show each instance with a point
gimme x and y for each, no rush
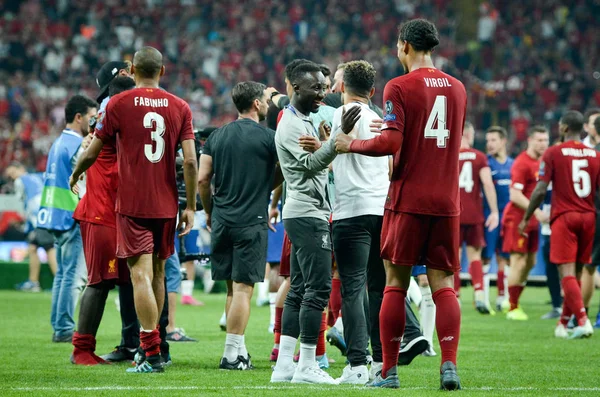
(107, 73)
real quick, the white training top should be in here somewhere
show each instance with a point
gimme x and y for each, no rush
(361, 182)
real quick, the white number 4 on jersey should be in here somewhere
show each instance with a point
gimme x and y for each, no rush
(438, 113)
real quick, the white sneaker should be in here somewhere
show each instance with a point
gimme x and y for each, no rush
(312, 374)
(283, 373)
(429, 352)
(375, 367)
(561, 332)
(583, 331)
(354, 375)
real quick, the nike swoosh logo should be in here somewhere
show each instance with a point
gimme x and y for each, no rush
(494, 172)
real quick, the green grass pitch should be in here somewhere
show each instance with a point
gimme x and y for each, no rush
(496, 358)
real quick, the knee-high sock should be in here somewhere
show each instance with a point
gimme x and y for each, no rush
(392, 319)
(447, 322)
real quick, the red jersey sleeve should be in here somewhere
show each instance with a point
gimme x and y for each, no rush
(187, 128)
(518, 175)
(390, 140)
(546, 170)
(107, 125)
(483, 161)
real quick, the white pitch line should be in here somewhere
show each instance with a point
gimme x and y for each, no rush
(208, 388)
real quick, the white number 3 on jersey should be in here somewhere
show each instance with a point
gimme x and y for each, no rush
(438, 112)
(154, 156)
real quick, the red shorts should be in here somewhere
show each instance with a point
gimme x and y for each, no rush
(136, 236)
(411, 239)
(100, 249)
(472, 235)
(515, 242)
(286, 251)
(572, 238)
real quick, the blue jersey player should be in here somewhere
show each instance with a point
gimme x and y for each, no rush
(500, 165)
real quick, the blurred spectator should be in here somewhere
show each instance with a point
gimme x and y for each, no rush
(536, 56)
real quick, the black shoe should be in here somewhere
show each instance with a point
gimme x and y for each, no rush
(66, 338)
(151, 364)
(449, 379)
(247, 361)
(120, 354)
(238, 365)
(411, 349)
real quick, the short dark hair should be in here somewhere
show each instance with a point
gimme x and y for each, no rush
(78, 104)
(574, 120)
(421, 34)
(244, 94)
(120, 84)
(292, 65)
(359, 77)
(147, 62)
(325, 70)
(589, 113)
(299, 71)
(537, 128)
(498, 130)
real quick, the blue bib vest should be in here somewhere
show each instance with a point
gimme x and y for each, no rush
(58, 202)
(33, 185)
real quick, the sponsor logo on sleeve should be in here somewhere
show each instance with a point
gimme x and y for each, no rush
(389, 108)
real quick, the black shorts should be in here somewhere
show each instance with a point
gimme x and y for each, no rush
(41, 238)
(238, 253)
(596, 249)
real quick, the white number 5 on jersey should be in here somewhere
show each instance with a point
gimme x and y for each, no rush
(438, 112)
(581, 178)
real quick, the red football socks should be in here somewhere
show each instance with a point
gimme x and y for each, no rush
(150, 342)
(84, 347)
(514, 293)
(566, 314)
(277, 326)
(447, 323)
(321, 341)
(500, 283)
(476, 271)
(573, 298)
(457, 283)
(335, 301)
(392, 319)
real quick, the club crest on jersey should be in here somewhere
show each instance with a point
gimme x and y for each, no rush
(542, 168)
(111, 266)
(521, 242)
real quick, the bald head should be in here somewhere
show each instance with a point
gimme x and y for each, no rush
(148, 63)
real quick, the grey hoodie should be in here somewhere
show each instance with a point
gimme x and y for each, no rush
(305, 173)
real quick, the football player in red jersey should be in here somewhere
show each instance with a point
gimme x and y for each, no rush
(523, 249)
(574, 171)
(425, 115)
(96, 216)
(475, 173)
(147, 124)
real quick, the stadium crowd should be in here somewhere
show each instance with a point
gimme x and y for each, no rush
(104, 207)
(512, 75)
